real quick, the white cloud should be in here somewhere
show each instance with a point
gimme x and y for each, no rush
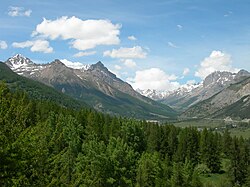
(117, 67)
(134, 52)
(133, 38)
(170, 44)
(85, 34)
(217, 61)
(22, 44)
(84, 53)
(180, 27)
(129, 63)
(186, 71)
(153, 78)
(191, 82)
(35, 46)
(74, 65)
(19, 11)
(3, 45)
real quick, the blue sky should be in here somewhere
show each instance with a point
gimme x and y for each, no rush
(158, 44)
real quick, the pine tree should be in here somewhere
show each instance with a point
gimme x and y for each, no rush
(148, 170)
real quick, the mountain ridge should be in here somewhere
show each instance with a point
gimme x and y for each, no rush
(95, 85)
(37, 90)
(235, 96)
(190, 94)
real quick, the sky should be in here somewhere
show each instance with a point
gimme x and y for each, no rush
(152, 44)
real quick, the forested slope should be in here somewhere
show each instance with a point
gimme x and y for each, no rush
(43, 144)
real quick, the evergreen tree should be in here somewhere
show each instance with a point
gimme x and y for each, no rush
(123, 162)
(177, 179)
(210, 150)
(239, 162)
(148, 170)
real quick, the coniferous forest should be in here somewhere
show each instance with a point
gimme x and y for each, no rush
(44, 144)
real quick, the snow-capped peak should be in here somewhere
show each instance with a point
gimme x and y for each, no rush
(18, 56)
(18, 61)
(158, 95)
(153, 94)
(219, 77)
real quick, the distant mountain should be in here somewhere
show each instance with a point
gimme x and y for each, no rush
(233, 101)
(37, 90)
(190, 94)
(95, 85)
(153, 94)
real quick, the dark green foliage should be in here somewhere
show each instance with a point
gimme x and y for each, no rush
(210, 152)
(240, 161)
(45, 144)
(177, 178)
(188, 147)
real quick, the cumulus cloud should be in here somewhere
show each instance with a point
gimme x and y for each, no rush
(74, 65)
(186, 71)
(35, 46)
(134, 52)
(170, 44)
(129, 63)
(3, 45)
(217, 61)
(84, 53)
(19, 11)
(133, 38)
(154, 78)
(85, 34)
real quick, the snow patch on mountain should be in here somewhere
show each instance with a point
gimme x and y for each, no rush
(75, 65)
(23, 65)
(159, 95)
(19, 61)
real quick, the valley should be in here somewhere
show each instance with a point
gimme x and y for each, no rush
(125, 93)
(221, 95)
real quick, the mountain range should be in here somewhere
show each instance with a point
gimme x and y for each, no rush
(94, 85)
(219, 95)
(233, 101)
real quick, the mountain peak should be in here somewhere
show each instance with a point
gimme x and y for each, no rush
(99, 65)
(18, 56)
(243, 72)
(216, 77)
(18, 61)
(57, 62)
